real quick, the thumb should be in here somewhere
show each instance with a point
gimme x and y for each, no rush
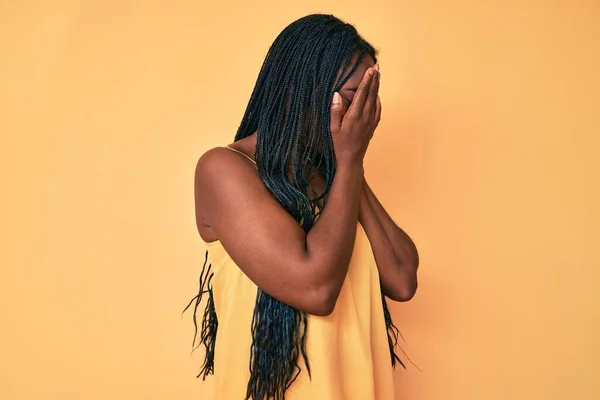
(337, 113)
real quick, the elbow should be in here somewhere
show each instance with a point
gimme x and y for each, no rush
(407, 292)
(323, 301)
(407, 287)
(321, 310)
(404, 291)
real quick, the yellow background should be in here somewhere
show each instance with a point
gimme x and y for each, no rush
(487, 154)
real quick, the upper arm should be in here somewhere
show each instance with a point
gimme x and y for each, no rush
(261, 237)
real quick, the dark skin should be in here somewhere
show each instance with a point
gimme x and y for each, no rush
(306, 271)
(395, 253)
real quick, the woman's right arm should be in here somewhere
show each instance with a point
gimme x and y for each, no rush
(305, 271)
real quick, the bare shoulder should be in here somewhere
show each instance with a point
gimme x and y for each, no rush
(219, 166)
(216, 160)
(231, 200)
(224, 179)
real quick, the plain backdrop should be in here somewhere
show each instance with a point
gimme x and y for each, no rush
(487, 154)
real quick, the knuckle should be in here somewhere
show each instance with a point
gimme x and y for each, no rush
(364, 89)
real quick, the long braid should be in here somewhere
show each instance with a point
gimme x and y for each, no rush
(289, 109)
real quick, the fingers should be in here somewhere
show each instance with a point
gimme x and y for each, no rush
(378, 111)
(362, 93)
(336, 113)
(371, 103)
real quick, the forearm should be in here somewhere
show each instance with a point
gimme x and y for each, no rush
(383, 251)
(404, 248)
(331, 240)
(394, 252)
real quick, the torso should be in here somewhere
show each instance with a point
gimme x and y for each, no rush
(347, 350)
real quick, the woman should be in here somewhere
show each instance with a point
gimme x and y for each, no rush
(300, 251)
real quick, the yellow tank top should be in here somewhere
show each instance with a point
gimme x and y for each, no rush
(348, 350)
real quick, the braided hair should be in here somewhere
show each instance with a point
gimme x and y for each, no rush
(289, 109)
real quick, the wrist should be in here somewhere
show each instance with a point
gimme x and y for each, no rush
(363, 204)
(351, 165)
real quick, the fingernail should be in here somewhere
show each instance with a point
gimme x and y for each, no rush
(336, 98)
(377, 67)
(371, 71)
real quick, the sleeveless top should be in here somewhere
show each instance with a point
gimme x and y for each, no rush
(348, 350)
